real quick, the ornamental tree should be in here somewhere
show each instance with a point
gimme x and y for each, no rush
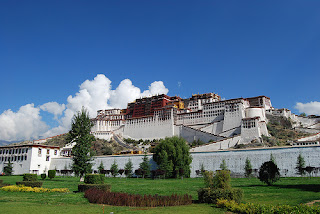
(248, 168)
(80, 134)
(171, 155)
(128, 168)
(269, 173)
(145, 166)
(300, 166)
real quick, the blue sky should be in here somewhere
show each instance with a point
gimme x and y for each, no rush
(234, 48)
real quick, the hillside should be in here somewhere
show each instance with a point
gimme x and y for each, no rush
(281, 131)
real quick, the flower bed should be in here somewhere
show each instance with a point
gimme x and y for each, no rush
(15, 188)
(250, 208)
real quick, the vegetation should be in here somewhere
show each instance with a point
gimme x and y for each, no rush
(223, 165)
(43, 176)
(280, 129)
(101, 167)
(218, 186)
(171, 155)
(145, 166)
(80, 133)
(300, 165)
(133, 200)
(248, 168)
(114, 169)
(8, 169)
(269, 173)
(128, 167)
(250, 208)
(15, 188)
(287, 191)
(52, 174)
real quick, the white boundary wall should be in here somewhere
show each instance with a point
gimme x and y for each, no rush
(285, 157)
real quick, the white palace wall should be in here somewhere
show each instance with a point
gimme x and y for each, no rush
(286, 159)
(148, 128)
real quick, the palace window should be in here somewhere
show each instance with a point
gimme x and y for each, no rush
(39, 151)
(48, 151)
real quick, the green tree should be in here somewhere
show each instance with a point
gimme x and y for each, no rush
(114, 169)
(273, 159)
(172, 155)
(80, 134)
(248, 168)
(145, 166)
(128, 168)
(300, 165)
(269, 173)
(101, 167)
(223, 165)
(8, 169)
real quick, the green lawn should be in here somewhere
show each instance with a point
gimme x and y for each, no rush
(290, 191)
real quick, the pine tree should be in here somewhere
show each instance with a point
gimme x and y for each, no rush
(248, 168)
(128, 168)
(273, 159)
(114, 169)
(8, 169)
(223, 165)
(80, 134)
(300, 165)
(145, 165)
(101, 167)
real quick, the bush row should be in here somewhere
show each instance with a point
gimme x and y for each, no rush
(30, 183)
(103, 187)
(125, 199)
(250, 208)
(30, 177)
(94, 179)
(15, 188)
(210, 195)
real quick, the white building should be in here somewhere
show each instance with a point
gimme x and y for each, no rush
(33, 158)
(202, 117)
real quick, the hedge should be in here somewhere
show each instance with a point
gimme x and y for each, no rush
(210, 195)
(51, 174)
(30, 177)
(94, 179)
(125, 199)
(30, 183)
(250, 208)
(103, 187)
(32, 189)
(43, 176)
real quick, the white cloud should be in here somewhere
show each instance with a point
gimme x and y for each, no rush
(311, 108)
(24, 124)
(54, 108)
(93, 94)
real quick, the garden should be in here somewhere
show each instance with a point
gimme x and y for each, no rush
(287, 191)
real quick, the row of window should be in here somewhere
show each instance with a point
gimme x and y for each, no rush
(249, 124)
(13, 158)
(48, 151)
(13, 151)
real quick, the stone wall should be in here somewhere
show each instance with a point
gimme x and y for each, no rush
(285, 157)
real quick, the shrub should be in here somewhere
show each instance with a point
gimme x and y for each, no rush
(125, 199)
(94, 179)
(218, 187)
(103, 187)
(269, 173)
(30, 177)
(51, 174)
(211, 195)
(250, 208)
(15, 188)
(43, 176)
(30, 183)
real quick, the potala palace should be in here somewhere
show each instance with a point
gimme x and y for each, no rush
(221, 124)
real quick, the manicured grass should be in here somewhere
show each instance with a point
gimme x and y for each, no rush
(291, 191)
